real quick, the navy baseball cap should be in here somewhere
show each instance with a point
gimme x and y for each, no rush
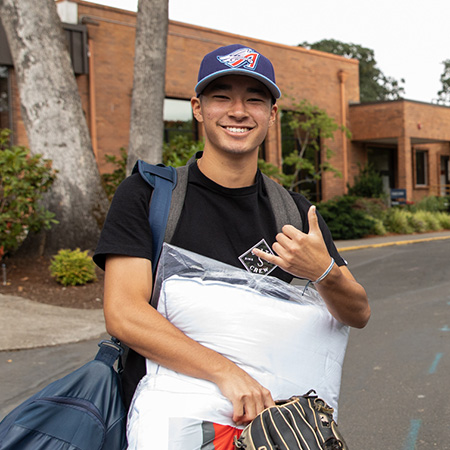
(236, 59)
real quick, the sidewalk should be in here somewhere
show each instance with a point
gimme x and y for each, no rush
(384, 241)
(27, 324)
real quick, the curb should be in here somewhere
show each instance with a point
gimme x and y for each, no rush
(392, 243)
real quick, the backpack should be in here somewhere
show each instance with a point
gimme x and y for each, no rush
(81, 411)
(169, 191)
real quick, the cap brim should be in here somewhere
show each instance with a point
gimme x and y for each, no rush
(273, 88)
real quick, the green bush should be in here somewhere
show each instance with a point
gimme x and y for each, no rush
(72, 267)
(24, 178)
(418, 224)
(430, 219)
(444, 220)
(346, 221)
(378, 228)
(431, 204)
(180, 149)
(368, 183)
(373, 207)
(404, 221)
(398, 221)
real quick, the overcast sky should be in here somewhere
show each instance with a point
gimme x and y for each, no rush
(410, 38)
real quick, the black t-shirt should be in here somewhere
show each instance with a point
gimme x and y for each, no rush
(217, 222)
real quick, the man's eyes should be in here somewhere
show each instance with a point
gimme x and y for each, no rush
(250, 99)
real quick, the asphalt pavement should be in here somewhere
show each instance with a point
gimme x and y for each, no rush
(26, 324)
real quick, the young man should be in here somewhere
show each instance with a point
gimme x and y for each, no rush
(226, 212)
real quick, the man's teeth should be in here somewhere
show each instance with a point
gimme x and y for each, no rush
(237, 130)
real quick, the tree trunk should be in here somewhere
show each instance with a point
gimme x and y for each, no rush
(147, 124)
(55, 123)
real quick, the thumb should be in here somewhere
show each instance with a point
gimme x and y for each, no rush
(312, 219)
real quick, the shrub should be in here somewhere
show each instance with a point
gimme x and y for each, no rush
(418, 223)
(432, 204)
(444, 220)
(344, 220)
(24, 178)
(72, 267)
(430, 219)
(373, 207)
(179, 150)
(368, 183)
(378, 228)
(398, 221)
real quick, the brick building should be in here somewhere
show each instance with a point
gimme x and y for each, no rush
(409, 142)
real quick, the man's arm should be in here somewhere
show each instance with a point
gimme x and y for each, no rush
(130, 318)
(306, 256)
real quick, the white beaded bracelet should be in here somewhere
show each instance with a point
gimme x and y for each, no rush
(325, 273)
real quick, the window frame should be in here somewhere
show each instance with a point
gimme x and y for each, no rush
(426, 168)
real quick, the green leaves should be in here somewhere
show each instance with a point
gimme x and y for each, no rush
(179, 150)
(310, 127)
(444, 92)
(24, 178)
(72, 267)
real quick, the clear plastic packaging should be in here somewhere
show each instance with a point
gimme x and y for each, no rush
(281, 335)
(186, 264)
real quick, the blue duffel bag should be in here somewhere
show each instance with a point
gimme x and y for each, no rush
(81, 411)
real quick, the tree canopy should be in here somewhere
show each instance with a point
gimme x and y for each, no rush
(374, 84)
(444, 92)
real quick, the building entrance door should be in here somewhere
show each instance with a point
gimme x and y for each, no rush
(384, 161)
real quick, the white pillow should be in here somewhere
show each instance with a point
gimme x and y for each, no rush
(287, 341)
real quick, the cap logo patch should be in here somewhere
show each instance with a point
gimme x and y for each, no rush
(244, 57)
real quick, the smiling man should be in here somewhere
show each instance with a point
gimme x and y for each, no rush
(226, 213)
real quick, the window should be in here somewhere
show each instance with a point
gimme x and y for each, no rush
(421, 160)
(77, 45)
(178, 120)
(4, 98)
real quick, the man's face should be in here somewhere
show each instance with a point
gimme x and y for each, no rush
(236, 112)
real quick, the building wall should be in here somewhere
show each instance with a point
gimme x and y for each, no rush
(300, 74)
(331, 82)
(406, 126)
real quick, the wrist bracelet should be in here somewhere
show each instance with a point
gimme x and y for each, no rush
(325, 273)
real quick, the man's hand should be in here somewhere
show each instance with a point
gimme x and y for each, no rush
(306, 256)
(129, 317)
(248, 397)
(302, 255)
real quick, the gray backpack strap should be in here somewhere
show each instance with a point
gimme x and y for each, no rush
(283, 206)
(178, 196)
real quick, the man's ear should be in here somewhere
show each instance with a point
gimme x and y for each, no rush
(197, 109)
(273, 115)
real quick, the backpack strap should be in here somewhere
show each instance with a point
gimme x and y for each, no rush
(283, 206)
(178, 196)
(169, 191)
(109, 352)
(163, 180)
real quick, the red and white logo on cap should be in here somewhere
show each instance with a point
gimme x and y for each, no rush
(244, 57)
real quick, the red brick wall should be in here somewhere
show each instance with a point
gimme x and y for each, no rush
(407, 125)
(301, 74)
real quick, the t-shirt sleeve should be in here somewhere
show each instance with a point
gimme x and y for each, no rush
(126, 230)
(303, 206)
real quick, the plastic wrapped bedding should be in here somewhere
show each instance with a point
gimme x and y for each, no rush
(283, 337)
